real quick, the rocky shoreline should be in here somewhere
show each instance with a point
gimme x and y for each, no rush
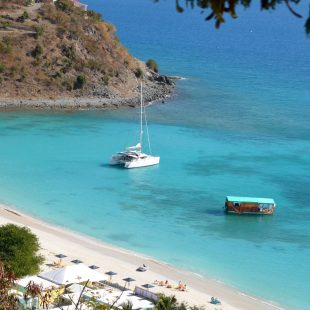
(157, 89)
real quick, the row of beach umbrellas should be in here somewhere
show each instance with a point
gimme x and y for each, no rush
(109, 273)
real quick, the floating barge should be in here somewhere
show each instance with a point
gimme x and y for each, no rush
(249, 205)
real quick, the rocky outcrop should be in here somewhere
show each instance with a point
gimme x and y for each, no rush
(155, 88)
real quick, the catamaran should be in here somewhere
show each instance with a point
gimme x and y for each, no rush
(133, 157)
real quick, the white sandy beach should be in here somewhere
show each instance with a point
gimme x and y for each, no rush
(55, 240)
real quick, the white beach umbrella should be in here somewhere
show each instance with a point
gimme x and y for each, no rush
(36, 280)
(72, 274)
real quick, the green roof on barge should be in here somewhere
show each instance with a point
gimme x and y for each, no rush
(250, 199)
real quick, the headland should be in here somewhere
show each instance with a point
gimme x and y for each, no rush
(57, 55)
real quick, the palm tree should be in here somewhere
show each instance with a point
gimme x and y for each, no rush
(95, 306)
(167, 303)
(183, 306)
(197, 308)
(127, 305)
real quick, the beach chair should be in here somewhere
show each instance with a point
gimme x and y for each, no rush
(58, 264)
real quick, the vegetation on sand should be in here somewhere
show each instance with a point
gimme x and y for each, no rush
(19, 250)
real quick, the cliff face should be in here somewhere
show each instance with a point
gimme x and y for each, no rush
(53, 51)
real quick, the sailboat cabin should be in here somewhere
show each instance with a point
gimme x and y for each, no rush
(249, 205)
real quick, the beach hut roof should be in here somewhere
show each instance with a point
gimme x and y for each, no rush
(72, 274)
(250, 199)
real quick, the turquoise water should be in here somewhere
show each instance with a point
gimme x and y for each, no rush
(239, 125)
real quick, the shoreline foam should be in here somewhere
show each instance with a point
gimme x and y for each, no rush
(55, 239)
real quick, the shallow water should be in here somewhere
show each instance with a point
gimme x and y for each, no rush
(239, 125)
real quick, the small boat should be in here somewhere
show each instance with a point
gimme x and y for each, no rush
(133, 157)
(249, 205)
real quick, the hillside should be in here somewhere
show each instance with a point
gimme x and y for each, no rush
(53, 51)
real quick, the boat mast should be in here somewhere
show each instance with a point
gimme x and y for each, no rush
(141, 115)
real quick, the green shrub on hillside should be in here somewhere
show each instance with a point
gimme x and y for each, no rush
(80, 82)
(23, 17)
(6, 46)
(37, 52)
(96, 17)
(105, 79)
(5, 23)
(2, 68)
(19, 250)
(139, 73)
(39, 31)
(94, 65)
(151, 64)
(69, 52)
(13, 71)
(64, 5)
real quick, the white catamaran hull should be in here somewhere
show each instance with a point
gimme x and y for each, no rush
(142, 162)
(135, 163)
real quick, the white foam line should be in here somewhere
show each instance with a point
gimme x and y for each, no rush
(198, 275)
(262, 301)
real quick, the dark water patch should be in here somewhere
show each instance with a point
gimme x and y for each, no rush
(80, 221)
(188, 208)
(52, 202)
(98, 228)
(60, 210)
(216, 212)
(210, 166)
(279, 249)
(123, 237)
(101, 188)
(131, 207)
(293, 189)
(160, 200)
(273, 158)
(240, 164)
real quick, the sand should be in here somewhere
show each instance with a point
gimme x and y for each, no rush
(55, 240)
